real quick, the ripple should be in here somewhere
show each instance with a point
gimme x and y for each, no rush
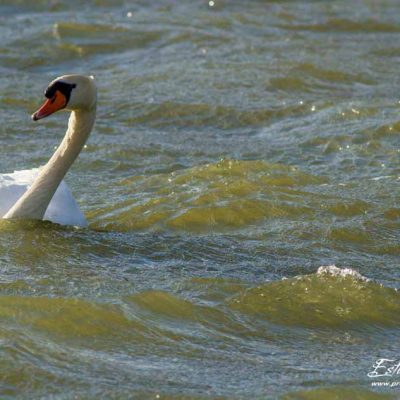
(336, 392)
(89, 39)
(66, 318)
(346, 25)
(179, 115)
(70, 41)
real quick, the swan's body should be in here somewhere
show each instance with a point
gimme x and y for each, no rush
(41, 194)
(62, 209)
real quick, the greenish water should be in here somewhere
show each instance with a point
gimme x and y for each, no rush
(238, 148)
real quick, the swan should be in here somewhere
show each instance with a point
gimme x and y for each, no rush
(41, 194)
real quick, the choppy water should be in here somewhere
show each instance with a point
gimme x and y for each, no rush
(238, 148)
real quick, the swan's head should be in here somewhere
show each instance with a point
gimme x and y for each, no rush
(68, 92)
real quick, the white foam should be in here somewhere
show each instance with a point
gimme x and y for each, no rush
(341, 272)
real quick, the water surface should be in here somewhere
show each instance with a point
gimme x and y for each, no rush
(238, 148)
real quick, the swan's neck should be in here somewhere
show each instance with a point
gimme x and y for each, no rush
(34, 202)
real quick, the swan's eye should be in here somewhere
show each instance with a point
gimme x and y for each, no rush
(53, 99)
(59, 86)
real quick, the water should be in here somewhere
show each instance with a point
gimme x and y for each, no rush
(238, 148)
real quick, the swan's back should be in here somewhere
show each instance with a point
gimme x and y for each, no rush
(62, 208)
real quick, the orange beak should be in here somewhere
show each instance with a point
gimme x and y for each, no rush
(50, 106)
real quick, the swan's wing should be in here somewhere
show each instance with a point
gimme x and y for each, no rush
(62, 208)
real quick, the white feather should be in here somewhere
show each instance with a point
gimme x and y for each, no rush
(62, 208)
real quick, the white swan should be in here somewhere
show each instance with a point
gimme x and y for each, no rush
(40, 193)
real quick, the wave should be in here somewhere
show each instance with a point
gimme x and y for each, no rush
(331, 297)
(230, 194)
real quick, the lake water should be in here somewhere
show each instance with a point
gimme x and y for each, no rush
(239, 147)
